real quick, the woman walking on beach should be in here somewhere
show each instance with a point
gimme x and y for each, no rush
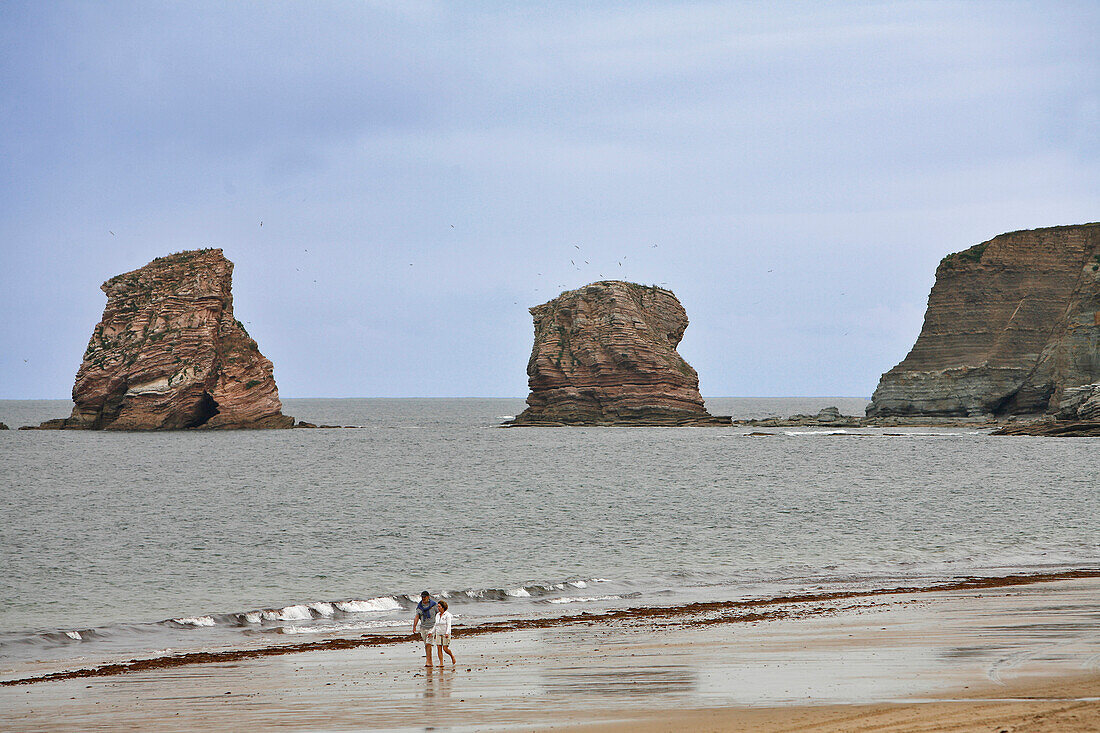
(442, 634)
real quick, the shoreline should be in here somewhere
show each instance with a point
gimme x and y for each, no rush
(975, 658)
(686, 615)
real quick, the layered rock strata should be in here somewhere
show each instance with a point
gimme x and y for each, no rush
(605, 354)
(168, 354)
(1012, 328)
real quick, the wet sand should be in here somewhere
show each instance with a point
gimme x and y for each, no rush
(690, 614)
(961, 659)
(1055, 706)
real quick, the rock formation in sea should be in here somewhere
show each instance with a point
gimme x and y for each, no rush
(1012, 328)
(3, 426)
(605, 354)
(168, 354)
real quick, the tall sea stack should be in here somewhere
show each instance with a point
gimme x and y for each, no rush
(168, 354)
(605, 354)
(1012, 328)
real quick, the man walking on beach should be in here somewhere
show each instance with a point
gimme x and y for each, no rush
(426, 611)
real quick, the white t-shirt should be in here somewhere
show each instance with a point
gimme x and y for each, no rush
(443, 624)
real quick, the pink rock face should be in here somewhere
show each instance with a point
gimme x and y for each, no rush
(605, 354)
(168, 354)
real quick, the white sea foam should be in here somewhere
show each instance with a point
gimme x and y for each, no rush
(73, 635)
(323, 609)
(195, 621)
(254, 617)
(578, 583)
(518, 593)
(329, 628)
(584, 599)
(290, 613)
(383, 603)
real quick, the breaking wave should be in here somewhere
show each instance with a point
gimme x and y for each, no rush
(195, 621)
(346, 610)
(584, 599)
(295, 612)
(317, 617)
(374, 604)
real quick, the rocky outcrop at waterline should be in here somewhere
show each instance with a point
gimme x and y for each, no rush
(605, 354)
(168, 354)
(1012, 328)
(826, 417)
(1054, 429)
(3, 426)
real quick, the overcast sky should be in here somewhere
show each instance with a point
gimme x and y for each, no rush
(425, 172)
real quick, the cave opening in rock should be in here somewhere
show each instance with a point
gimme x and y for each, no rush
(206, 409)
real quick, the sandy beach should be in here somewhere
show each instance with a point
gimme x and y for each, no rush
(1018, 657)
(1051, 705)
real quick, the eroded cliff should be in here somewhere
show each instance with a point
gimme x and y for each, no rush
(1012, 328)
(169, 354)
(605, 354)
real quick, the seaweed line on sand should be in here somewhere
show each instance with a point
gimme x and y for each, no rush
(693, 614)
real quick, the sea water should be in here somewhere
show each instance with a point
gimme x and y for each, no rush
(130, 543)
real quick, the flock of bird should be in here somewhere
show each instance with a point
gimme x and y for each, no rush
(572, 262)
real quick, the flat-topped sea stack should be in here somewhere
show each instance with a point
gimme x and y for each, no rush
(605, 354)
(1012, 328)
(168, 354)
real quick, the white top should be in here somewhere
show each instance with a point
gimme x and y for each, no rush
(443, 624)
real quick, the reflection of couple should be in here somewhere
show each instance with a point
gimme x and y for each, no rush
(435, 627)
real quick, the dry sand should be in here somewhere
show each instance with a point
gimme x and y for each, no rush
(1015, 658)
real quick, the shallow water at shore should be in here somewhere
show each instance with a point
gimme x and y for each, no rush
(127, 543)
(966, 645)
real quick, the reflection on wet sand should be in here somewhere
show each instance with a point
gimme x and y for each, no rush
(925, 646)
(619, 680)
(698, 614)
(437, 682)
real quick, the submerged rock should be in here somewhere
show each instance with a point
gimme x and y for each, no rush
(3, 426)
(605, 354)
(1012, 328)
(168, 354)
